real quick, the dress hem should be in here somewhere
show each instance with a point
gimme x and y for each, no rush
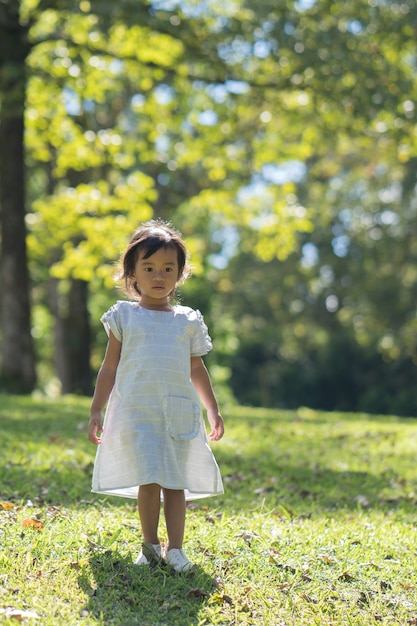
(132, 493)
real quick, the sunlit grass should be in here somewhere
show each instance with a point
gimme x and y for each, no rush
(317, 525)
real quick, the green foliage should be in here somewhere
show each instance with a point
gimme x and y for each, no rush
(87, 226)
(316, 525)
(296, 344)
(264, 131)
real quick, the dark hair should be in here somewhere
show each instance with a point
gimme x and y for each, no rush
(147, 240)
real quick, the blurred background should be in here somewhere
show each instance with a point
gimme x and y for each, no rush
(280, 137)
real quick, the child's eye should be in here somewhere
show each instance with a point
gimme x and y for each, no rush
(168, 269)
(148, 269)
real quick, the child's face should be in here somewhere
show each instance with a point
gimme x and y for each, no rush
(157, 276)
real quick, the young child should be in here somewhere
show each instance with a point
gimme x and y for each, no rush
(153, 444)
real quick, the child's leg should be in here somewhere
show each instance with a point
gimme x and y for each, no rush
(149, 502)
(174, 509)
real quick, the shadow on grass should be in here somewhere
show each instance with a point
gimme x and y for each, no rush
(316, 416)
(125, 594)
(31, 420)
(249, 483)
(268, 458)
(310, 488)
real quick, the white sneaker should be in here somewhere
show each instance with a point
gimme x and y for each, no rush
(176, 559)
(150, 553)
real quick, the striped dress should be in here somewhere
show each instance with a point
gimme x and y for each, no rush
(154, 430)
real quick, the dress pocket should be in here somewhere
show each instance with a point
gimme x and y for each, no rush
(183, 417)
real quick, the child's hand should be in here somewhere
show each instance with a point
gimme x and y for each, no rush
(217, 425)
(95, 427)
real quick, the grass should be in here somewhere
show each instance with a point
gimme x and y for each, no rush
(317, 525)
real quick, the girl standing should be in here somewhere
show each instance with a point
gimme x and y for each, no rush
(153, 444)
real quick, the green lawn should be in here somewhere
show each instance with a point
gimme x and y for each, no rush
(317, 525)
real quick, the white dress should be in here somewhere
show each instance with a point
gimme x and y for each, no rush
(154, 430)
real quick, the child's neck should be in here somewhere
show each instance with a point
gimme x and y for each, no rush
(155, 306)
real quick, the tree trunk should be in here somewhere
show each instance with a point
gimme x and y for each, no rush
(18, 359)
(72, 336)
(60, 357)
(78, 339)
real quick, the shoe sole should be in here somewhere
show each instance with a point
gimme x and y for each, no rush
(184, 572)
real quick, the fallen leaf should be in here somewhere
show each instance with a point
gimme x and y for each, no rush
(365, 597)
(408, 587)
(284, 566)
(310, 599)
(197, 593)
(370, 564)
(385, 585)
(6, 506)
(247, 536)
(229, 553)
(33, 523)
(325, 558)
(19, 614)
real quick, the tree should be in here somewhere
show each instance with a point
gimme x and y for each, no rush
(22, 28)
(346, 334)
(248, 121)
(18, 368)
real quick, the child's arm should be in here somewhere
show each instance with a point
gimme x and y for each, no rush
(202, 383)
(104, 385)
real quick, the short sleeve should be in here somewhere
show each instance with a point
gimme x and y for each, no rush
(112, 321)
(201, 341)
